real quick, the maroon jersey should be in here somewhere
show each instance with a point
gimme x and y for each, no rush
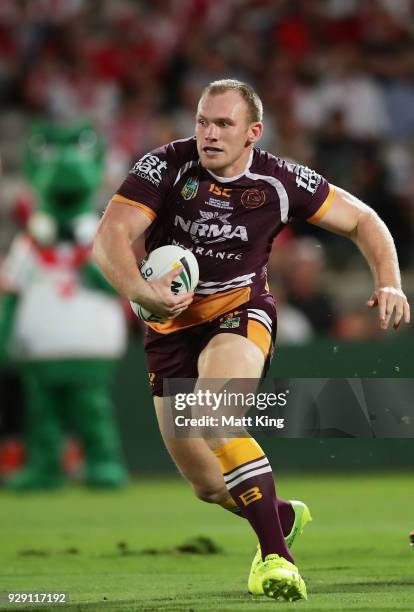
(228, 223)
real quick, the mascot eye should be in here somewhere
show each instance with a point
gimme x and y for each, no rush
(39, 146)
(87, 141)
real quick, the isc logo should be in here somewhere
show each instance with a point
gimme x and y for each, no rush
(220, 191)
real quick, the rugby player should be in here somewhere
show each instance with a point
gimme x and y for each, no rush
(225, 199)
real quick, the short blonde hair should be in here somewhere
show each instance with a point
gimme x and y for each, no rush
(253, 102)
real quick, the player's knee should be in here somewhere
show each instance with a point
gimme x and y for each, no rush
(211, 495)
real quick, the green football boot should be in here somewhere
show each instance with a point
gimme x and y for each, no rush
(280, 579)
(302, 518)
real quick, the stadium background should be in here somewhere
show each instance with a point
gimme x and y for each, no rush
(337, 82)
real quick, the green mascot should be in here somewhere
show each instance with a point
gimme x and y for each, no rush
(59, 319)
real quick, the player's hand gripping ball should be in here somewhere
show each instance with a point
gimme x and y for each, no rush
(163, 260)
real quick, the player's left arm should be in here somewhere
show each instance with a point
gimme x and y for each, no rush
(350, 217)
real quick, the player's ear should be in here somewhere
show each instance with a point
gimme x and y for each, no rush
(255, 132)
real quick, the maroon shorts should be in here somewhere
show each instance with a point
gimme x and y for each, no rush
(175, 355)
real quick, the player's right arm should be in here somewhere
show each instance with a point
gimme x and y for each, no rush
(120, 227)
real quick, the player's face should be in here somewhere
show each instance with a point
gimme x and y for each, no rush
(224, 135)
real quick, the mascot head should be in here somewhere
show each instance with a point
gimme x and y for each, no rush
(64, 165)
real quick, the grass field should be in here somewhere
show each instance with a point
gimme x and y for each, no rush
(354, 556)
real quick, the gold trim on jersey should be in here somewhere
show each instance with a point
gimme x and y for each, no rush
(148, 212)
(257, 333)
(325, 206)
(203, 309)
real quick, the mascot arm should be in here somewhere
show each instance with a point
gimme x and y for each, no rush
(8, 307)
(15, 273)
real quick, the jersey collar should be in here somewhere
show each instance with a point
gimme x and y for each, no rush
(230, 179)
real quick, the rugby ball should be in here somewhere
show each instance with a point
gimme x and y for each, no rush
(163, 260)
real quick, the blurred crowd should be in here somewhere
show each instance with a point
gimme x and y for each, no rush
(336, 78)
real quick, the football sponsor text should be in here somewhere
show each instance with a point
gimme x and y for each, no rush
(151, 168)
(305, 177)
(205, 252)
(211, 227)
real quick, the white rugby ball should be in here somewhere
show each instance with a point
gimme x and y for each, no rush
(163, 260)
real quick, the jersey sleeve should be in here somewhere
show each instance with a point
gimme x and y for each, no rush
(309, 194)
(149, 181)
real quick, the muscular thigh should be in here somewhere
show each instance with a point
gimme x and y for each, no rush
(230, 356)
(232, 362)
(238, 349)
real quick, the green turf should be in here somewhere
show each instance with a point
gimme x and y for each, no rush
(354, 556)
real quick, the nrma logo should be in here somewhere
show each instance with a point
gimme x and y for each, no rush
(211, 227)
